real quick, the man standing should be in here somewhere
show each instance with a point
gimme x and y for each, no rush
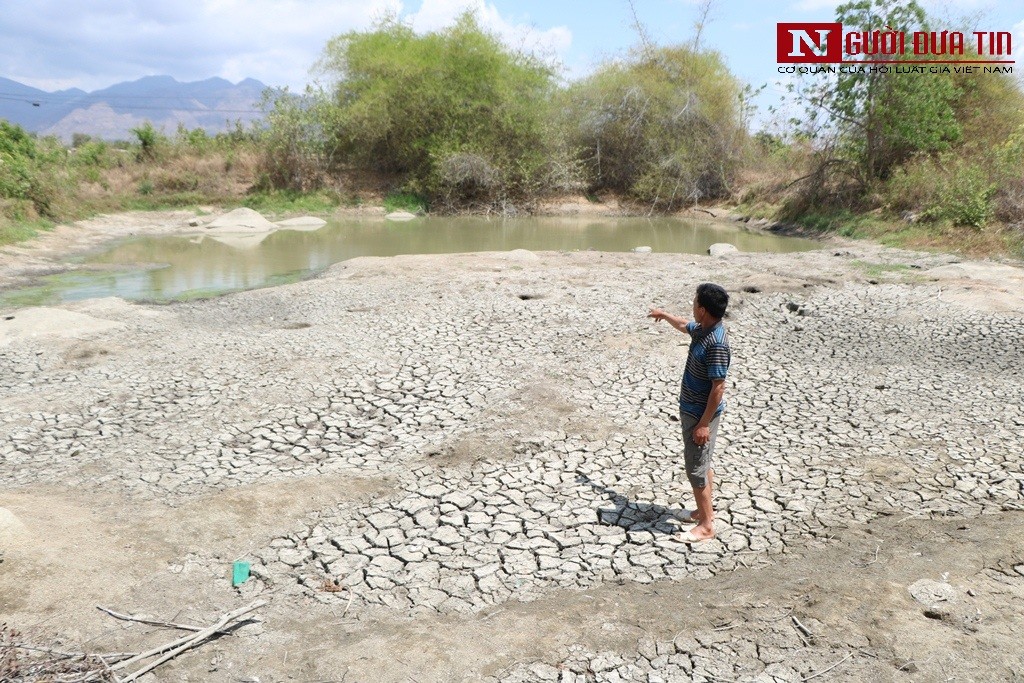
(701, 398)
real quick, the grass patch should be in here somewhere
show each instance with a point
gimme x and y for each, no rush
(19, 231)
(166, 202)
(844, 223)
(285, 201)
(940, 236)
(405, 201)
(877, 270)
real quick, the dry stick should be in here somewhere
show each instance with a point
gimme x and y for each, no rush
(767, 621)
(64, 654)
(108, 670)
(182, 644)
(195, 640)
(806, 631)
(825, 671)
(152, 622)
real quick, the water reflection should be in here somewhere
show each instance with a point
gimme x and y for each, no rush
(164, 268)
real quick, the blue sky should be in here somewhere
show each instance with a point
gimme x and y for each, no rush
(55, 44)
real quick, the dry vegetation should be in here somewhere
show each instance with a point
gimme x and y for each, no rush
(456, 121)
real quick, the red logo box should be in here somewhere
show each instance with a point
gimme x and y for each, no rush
(809, 43)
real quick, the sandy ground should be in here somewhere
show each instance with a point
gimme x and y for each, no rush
(464, 468)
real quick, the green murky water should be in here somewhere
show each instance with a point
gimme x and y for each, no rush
(197, 265)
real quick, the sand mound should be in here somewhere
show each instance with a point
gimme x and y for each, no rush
(992, 273)
(10, 528)
(987, 286)
(522, 255)
(240, 221)
(29, 323)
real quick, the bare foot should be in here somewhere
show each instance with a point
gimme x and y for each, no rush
(700, 532)
(689, 516)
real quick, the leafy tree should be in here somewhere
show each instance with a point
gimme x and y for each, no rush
(883, 119)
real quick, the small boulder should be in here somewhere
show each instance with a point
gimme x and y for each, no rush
(722, 249)
(400, 216)
(642, 250)
(929, 593)
(303, 223)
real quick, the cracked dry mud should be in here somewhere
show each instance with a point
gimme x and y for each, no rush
(467, 467)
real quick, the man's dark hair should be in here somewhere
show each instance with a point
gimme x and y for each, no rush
(713, 298)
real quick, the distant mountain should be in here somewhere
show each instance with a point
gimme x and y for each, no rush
(214, 105)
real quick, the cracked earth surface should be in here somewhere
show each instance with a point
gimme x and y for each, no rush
(468, 467)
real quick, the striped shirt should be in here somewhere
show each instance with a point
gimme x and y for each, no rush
(708, 360)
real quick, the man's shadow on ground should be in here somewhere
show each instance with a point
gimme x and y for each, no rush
(634, 515)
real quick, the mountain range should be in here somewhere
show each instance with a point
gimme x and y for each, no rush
(213, 105)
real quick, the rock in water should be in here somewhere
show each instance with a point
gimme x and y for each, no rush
(303, 223)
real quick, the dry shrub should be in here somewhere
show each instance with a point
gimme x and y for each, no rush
(662, 126)
(466, 177)
(1009, 201)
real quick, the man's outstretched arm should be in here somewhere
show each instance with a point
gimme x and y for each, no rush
(675, 321)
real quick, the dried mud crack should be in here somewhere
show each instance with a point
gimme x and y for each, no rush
(467, 467)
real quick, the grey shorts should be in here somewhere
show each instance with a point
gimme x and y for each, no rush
(697, 458)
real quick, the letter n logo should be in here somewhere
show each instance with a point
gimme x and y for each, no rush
(809, 43)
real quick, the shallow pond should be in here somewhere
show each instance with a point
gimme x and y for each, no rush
(196, 265)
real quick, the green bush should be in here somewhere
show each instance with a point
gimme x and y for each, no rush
(964, 196)
(405, 201)
(914, 187)
(196, 140)
(1009, 195)
(457, 114)
(33, 173)
(149, 139)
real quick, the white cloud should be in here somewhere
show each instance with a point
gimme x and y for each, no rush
(550, 43)
(56, 44)
(930, 5)
(815, 5)
(62, 43)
